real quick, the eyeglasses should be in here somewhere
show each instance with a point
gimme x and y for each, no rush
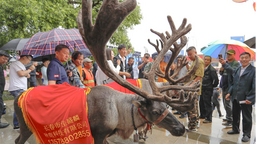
(5, 59)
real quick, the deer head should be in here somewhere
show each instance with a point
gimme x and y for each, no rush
(96, 35)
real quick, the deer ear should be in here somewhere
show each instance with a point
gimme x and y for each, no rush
(136, 103)
(139, 104)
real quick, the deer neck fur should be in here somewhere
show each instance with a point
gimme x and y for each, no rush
(125, 126)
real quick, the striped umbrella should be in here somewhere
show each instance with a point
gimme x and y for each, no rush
(222, 46)
(44, 43)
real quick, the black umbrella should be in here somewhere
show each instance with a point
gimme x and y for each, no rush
(15, 44)
(251, 42)
(86, 53)
(40, 58)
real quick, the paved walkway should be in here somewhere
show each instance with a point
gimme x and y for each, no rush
(212, 133)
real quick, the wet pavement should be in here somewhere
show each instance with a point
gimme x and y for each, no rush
(210, 133)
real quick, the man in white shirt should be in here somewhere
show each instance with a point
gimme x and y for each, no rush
(18, 79)
(121, 57)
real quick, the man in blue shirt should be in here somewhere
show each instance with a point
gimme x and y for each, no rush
(56, 72)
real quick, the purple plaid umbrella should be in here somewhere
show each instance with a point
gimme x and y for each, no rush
(44, 43)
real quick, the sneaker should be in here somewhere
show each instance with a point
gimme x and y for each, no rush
(245, 138)
(16, 127)
(4, 125)
(228, 124)
(207, 121)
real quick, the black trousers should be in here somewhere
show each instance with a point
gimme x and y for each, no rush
(247, 117)
(201, 107)
(207, 100)
(216, 104)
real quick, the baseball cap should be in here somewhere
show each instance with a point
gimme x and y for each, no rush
(87, 60)
(231, 52)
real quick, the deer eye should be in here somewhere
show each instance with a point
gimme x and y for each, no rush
(156, 112)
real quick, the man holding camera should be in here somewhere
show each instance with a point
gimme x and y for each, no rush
(18, 79)
(226, 82)
(142, 64)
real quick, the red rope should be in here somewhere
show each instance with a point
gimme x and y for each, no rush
(148, 123)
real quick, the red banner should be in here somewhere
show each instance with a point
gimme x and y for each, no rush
(118, 87)
(57, 114)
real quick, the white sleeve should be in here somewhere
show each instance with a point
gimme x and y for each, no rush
(18, 67)
(44, 72)
(111, 65)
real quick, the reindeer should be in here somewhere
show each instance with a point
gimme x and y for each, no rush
(112, 112)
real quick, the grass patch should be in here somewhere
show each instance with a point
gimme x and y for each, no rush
(7, 96)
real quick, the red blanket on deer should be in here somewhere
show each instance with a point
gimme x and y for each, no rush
(118, 87)
(57, 114)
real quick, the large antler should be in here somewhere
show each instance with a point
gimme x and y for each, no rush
(175, 51)
(110, 16)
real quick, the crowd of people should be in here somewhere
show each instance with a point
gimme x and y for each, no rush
(237, 83)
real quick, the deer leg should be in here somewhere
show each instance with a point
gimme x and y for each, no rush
(25, 133)
(17, 139)
(105, 140)
(100, 139)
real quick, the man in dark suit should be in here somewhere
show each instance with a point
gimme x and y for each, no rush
(210, 80)
(129, 67)
(121, 56)
(242, 94)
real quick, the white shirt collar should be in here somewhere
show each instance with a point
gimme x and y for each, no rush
(123, 59)
(244, 67)
(206, 67)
